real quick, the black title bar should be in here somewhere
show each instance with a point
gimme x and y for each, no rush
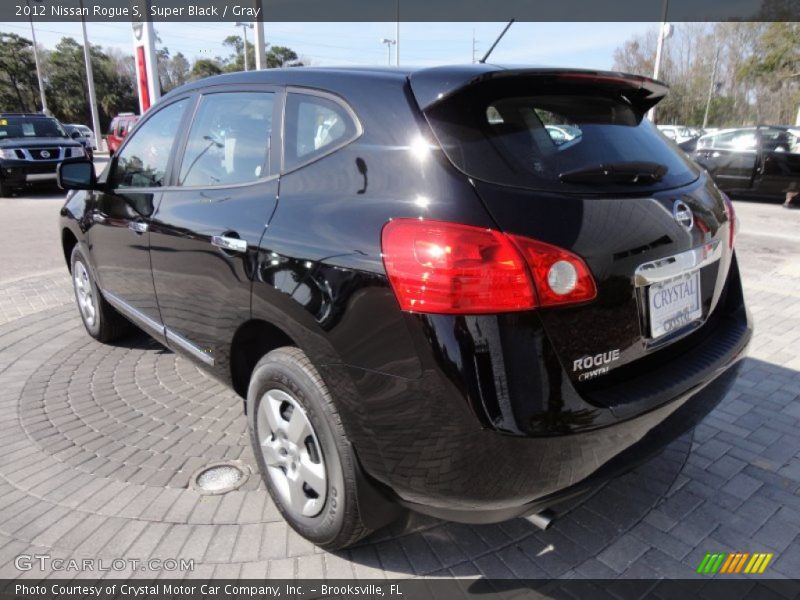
(394, 10)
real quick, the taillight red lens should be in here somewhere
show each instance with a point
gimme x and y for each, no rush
(439, 267)
(561, 277)
(731, 212)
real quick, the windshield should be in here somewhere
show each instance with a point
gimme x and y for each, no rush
(23, 127)
(518, 135)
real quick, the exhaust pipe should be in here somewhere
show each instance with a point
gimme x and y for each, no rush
(543, 519)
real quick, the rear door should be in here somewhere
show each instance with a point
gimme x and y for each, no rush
(208, 226)
(651, 228)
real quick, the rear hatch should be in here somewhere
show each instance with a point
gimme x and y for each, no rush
(568, 158)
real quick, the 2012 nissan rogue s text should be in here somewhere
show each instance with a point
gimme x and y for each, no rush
(427, 299)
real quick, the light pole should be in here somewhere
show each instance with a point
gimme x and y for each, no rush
(389, 43)
(36, 60)
(711, 85)
(397, 36)
(663, 33)
(87, 57)
(245, 27)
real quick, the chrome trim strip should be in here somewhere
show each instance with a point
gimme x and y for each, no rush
(144, 321)
(134, 314)
(189, 347)
(40, 177)
(670, 267)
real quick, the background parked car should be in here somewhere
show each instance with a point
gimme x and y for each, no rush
(677, 133)
(761, 161)
(87, 133)
(79, 136)
(31, 147)
(119, 128)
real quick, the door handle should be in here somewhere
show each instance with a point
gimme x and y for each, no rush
(231, 244)
(138, 226)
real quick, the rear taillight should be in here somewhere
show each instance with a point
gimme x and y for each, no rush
(731, 212)
(439, 267)
(561, 277)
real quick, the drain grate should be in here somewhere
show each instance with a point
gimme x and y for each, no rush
(220, 478)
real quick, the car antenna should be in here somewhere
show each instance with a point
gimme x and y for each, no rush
(497, 41)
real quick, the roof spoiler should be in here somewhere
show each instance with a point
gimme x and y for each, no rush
(432, 86)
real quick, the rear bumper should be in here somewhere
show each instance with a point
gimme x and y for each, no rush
(485, 435)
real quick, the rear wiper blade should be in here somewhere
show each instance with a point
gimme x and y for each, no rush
(620, 172)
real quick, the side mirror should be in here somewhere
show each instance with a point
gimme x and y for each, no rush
(75, 135)
(76, 175)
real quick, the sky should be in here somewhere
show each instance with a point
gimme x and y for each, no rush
(588, 45)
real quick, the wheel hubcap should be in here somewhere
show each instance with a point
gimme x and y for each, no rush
(292, 453)
(84, 294)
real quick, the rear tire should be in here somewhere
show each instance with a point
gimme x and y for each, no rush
(311, 475)
(101, 320)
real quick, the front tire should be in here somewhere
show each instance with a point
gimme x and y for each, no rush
(301, 448)
(100, 319)
(5, 190)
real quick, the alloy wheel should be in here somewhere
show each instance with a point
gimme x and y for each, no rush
(292, 453)
(84, 294)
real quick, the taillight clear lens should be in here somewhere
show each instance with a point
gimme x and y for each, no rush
(732, 222)
(439, 267)
(560, 276)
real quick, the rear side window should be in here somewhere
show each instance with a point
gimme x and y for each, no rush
(315, 126)
(229, 141)
(143, 161)
(529, 134)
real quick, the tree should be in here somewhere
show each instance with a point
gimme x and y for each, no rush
(67, 94)
(235, 61)
(179, 69)
(281, 56)
(204, 67)
(276, 56)
(19, 89)
(757, 78)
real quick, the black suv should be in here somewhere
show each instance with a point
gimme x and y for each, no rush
(425, 298)
(31, 146)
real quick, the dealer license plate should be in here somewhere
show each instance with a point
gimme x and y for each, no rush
(674, 303)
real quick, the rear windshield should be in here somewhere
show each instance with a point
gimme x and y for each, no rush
(22, 127)
(528, 134)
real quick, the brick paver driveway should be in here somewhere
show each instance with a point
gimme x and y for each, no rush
(99, 443)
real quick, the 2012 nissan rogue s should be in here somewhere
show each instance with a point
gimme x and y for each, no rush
(427, 299)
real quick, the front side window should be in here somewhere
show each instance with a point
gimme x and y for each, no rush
(314, 126)
(230, 140)
(142, 163)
